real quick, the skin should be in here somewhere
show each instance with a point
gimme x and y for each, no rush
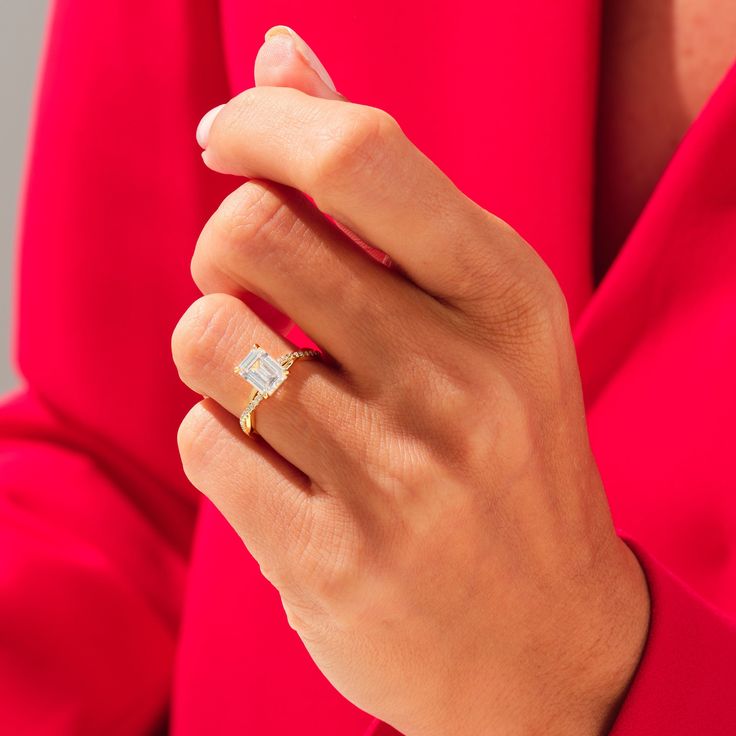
(661, 60)
(424, 500)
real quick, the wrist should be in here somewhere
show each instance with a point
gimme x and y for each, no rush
(623, 635)
(579, 691)
(608, 656)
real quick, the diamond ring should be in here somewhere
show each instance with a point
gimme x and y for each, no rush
(265, 374)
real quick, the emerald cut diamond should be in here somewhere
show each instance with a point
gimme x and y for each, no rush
(261, 371)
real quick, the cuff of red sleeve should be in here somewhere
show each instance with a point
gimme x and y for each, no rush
(685, 682)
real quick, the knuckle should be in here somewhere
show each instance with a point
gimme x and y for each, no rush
(200, 335)
(254, 212)
(536, 309)
(249, 227)
(519, 309)
(509, 288)
(497, 430)
(355, 143)
(485, 252)
(553, 299)
(525, 310)
(494, 424)
(472, 401)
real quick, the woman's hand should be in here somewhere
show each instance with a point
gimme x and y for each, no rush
(425, 500)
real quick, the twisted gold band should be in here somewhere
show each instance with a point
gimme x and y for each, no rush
(265, 374)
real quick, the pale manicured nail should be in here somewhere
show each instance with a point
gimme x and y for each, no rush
(309, 56)
(203, 129)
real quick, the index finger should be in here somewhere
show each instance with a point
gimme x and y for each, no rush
(359, 167)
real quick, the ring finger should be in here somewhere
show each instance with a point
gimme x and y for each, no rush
(298, 419)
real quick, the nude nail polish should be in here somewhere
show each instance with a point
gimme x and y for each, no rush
(203, 129)
(307, 54)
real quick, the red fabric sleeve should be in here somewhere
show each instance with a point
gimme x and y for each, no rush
(89, 588)
(96, 515)
(683, 683)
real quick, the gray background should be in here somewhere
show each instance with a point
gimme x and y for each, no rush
(22, 24)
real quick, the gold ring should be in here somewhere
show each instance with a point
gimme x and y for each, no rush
(265, 373)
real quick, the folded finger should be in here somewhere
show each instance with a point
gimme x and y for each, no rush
(270, 240)
(359, 167)
(300, 418)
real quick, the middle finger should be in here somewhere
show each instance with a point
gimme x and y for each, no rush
(359, 167)
(270, 240)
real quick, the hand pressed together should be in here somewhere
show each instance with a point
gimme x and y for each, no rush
(425, 499)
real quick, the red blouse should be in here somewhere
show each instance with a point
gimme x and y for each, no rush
(127, 604)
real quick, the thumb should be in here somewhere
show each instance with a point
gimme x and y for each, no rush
(285, 60)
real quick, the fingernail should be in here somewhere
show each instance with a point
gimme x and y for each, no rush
(203, 129)
(301, 46)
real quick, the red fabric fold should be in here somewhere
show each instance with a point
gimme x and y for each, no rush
(685, 679)
(90, 588)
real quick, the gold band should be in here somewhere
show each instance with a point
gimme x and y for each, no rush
(265, 374)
